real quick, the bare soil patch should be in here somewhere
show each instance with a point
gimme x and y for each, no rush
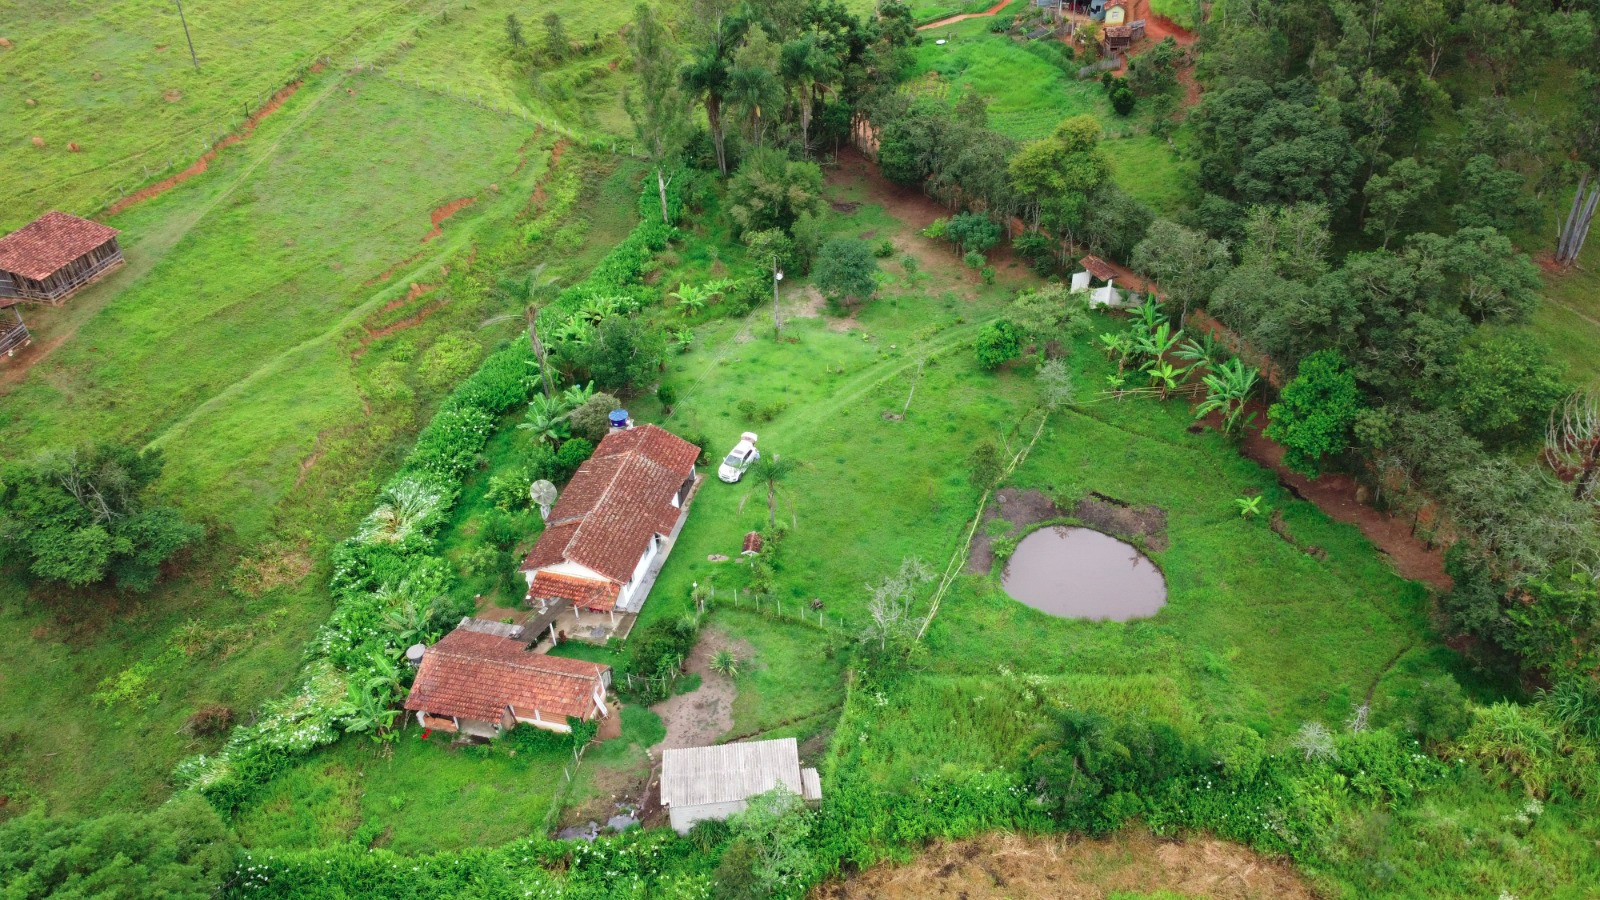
(1019, 509)
(444, 212)
(1342, 498)
(204, 162)
(1064, 867)
(699, 717)
(1116, 517)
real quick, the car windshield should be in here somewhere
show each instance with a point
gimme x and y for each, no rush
(734, 459)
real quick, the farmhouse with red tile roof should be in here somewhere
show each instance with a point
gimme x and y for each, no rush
(48, 259)
(614, 522)
(480, 681)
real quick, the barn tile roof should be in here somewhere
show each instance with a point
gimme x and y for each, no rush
(1098, 267)
(615, 503)
(472, 675)
(585, 593)
(39, 248)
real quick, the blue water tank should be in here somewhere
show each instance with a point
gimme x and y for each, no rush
(619, 418)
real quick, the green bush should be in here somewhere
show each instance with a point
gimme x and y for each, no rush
(572, 454)
(883, 249)
(998, 343)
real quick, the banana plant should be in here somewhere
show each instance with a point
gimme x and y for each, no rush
(1163, 376)
(1156, 343)
(1148, 315)
(1117, 345)
(546, 429)
(1228, 389)
(577, 395)
(1203, 351)
(365, 710)
(575, 331)
(1249, 507)
(1118, 382)
(684, 338)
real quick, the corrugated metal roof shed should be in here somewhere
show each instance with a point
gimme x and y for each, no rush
(700, 775)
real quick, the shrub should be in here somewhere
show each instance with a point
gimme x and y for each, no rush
(883, 249)
(998, 343)
(571, 455)
(666, 395)
(592, 420)
(846, 271)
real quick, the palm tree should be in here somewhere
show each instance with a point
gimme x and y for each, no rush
(769, 472)
(1227, 390)
(531, 292)
(706, 76)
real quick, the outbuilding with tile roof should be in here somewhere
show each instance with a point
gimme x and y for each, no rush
(613, 525)
(50, 258)
(481, 681)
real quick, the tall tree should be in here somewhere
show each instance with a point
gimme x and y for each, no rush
(658, 111)
(1049, 172)
(707, 76)
(752, 83)
(1185, 263)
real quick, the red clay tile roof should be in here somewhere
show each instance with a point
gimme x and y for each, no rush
(616, 502)
(39, 248)
(471, 675)
(585, 593)
(1098, 267)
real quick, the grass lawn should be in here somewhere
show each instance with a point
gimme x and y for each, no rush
(1027, 94)
(412, 796)
(464, 52)
(117, 80)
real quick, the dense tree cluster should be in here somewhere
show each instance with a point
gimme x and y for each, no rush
(85, 515)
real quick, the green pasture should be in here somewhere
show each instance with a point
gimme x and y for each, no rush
(240, 336)
(411, 796)
(237, 340)
(465, 52)
(1240, 638)
(117, 80)
(1027, 94)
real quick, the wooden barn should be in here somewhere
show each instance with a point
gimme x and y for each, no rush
(50, 258)
(13, 334)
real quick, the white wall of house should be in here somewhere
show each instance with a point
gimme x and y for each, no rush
(684, 817)
(639, 570)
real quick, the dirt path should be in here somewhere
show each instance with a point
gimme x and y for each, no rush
(699, 717)
(1069, 867)
(1339, 496)
(991, 11)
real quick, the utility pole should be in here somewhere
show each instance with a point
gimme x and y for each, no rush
(777, 276)
(185, 19)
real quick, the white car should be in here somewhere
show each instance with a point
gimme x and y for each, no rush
(743, 454)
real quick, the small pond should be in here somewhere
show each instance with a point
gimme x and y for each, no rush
(1080, 573)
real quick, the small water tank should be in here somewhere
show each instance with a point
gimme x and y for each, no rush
(620, 420)
(414, 654)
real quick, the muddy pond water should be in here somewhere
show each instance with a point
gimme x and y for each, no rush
(1080, 573)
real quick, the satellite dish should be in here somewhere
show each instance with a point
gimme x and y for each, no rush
(543, 495)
